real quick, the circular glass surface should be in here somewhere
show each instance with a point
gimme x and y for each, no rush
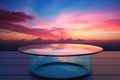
(61, 49)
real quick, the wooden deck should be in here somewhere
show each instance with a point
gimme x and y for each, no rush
(15, 66)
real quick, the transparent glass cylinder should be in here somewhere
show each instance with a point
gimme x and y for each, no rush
(60, 67)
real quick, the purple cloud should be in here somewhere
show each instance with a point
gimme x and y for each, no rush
(13, 17)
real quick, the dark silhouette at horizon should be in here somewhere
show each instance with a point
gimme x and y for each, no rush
(13, 45)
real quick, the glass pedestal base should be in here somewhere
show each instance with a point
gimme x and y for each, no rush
(60, 70)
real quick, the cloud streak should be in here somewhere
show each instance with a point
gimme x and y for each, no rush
(45, 34)
(13, 17)
(8, 21)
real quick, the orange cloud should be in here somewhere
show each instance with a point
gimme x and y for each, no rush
(10, 35)
(82, 25)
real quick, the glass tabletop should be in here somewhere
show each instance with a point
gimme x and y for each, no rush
(61, 49)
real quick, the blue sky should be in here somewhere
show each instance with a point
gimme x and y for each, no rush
(54, 7)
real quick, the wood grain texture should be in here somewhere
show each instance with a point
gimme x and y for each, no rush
(15, 66)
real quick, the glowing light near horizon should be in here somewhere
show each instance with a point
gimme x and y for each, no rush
(15, 36)
(75, 21)
(93, 26)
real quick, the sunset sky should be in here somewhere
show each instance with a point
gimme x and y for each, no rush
(57, 19)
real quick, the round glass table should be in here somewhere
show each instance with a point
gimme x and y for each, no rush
(60, 60)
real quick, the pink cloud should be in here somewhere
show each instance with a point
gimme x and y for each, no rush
(55, 33)
(90, 21)
(12, 21)
(67, 25)
(76, 24)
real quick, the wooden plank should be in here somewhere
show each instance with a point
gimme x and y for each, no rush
(13, 70)
(106, 70)
(29, 77)
(19, 77)
(15, 66)
(14, 61)
(104, 54)
(26, 61)
(110, 62)
(8, 70)
(107, 54)
(12, 54)
(105, 77)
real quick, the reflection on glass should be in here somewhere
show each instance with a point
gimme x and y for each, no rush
(61, 67)
(60, 60)
(61, 49)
